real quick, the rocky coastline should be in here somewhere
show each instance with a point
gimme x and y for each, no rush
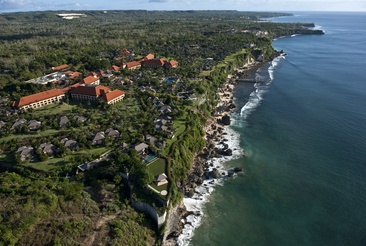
(204, 172)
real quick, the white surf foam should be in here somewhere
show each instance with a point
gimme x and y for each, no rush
(317, 27)
(256, 96)
(202, 193)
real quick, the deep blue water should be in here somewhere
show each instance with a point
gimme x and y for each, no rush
(304, 134)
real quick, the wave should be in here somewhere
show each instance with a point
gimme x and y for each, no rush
(202, 193)
(195, 204)
(317, 27)
(264, 79)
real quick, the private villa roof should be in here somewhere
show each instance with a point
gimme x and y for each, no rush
(90, 90)
(38, 97)
(161, 177)
(61, 67)
(89, 80)
(141, 146)
(133, 64)
(112, 95)
(2, 124)
(25, 150)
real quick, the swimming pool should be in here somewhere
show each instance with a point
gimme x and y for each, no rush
(149, 158)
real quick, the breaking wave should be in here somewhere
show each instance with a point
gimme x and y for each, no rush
(264, 78)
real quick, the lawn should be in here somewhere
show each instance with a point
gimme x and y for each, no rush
(53, 109)
(157, 167)
(53, 163)
(35, 134)
(228, 59)
(231, 57)
(180, 126)
(205, 73)
(128, 104)
(159, 188)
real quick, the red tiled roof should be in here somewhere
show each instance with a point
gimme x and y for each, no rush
(61, 67)
(148, 57)
(154, 62)
(89, 90)
(173, 63)
(72, 74)
(133, 64)
(124, 52)
(76, 85)
(66, 89)
(38, 97)
(89, 80)
(112, 95)
(114, 68)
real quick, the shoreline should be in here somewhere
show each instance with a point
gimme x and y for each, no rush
(209, 169)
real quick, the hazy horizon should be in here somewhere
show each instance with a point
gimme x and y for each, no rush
(240, 5)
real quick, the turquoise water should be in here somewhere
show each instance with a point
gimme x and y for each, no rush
(304, 134)
(150, 158)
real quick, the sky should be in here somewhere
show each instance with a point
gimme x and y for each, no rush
(241, 5)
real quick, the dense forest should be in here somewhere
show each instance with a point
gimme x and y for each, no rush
(47, 200)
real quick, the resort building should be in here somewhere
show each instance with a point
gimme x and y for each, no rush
(148, 57)
(153, 63)
(60, 68)
(95, 93)
(156, 63)
(113, 96)
(114, 68)
(170, 64)
(40, 99)
(91, 80)
(88, 93)
(133, 65)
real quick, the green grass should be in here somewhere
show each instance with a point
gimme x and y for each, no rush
(159, 188)
(35, 134)
(53, 109)
(231, 57)
(157, 167)
(52, 163)
(205, 73)
(228, 59)
(180, 126)
(44, 133)
(127, 105)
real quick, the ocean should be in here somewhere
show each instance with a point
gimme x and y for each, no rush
(303, 132)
